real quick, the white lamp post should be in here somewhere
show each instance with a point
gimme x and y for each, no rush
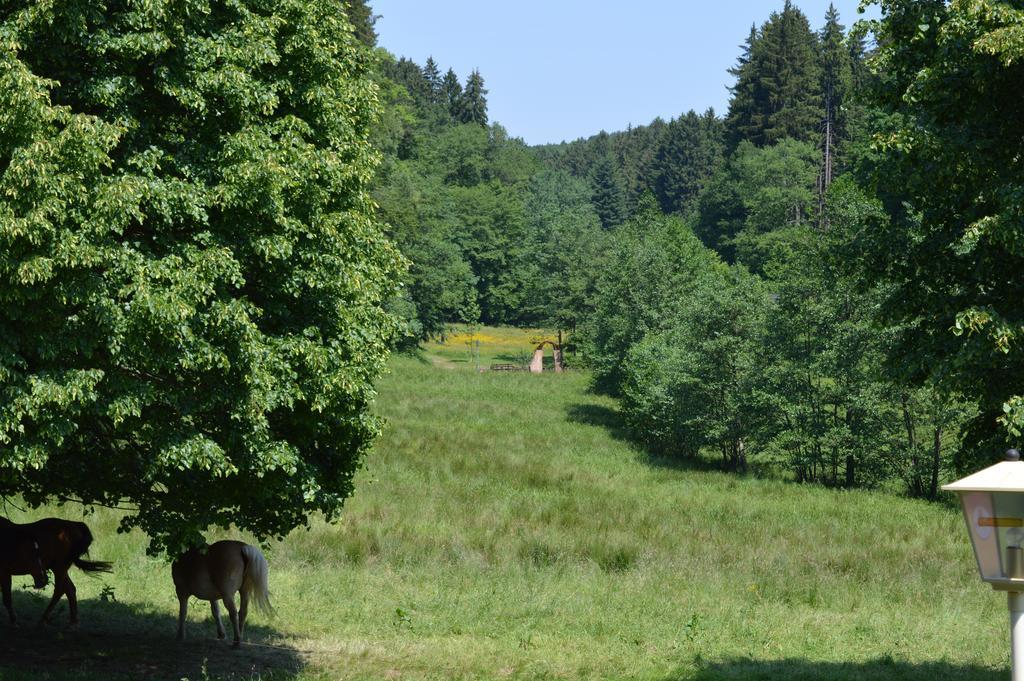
(993, 504)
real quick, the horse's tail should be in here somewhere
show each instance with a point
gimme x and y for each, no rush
(94, 565)
(80, 543)
(254, 580)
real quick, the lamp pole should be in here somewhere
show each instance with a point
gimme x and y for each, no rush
(1016, 602)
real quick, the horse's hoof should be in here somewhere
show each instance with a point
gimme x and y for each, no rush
(221, 637)
(236, 645)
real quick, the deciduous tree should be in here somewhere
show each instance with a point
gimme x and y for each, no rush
(193, 282)
(951, 79)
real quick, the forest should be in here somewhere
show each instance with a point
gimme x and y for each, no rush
(804, 285)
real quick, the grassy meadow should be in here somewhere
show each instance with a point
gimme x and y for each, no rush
(503, 528)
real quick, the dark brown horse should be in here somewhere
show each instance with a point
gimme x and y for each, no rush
(19, 555)
(47, 544)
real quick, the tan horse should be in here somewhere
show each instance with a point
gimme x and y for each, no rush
(214, 573)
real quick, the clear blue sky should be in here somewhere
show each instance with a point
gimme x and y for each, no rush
(562, 69)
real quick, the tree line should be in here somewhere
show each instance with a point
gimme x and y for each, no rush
(852, 327)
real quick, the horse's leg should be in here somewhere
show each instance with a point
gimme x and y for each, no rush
(5, 582)
(72, 594)
(229, 603)
(216, 618)
(243, 610)
(60, 579)
(182, 614)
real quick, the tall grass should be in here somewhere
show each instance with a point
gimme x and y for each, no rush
(503, 529)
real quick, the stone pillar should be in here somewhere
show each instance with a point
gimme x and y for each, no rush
(537, 363)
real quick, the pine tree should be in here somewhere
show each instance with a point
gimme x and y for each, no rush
(435, 84)
(777, 94)
(362, 19)
(836, 78)
(686, 158)
(609, 198)
(451, 93)
(473, 103)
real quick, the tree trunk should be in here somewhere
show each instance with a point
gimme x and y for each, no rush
(916, 483)
(933, 486)
(826, 179)
(851, 461)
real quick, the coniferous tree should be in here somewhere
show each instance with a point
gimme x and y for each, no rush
(451, 93)
(686, 159)
(636, 153)
(608, 196)
(362, 18)
(435, 84)
(836, 78)
(777, 94)
(743, 113)
(472, 106)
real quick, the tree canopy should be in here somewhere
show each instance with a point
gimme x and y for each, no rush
(950, 81)
(194, 285)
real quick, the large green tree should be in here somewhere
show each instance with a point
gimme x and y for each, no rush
(777, 91)
(193, 282)
(607, 194)
(697, 382)
(565, 247)
(653, 265)
(950, 76)
(472, 107)
(750, 205)
(451, 93)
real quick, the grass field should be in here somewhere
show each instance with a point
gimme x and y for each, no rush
(503, 528)
(474, 347)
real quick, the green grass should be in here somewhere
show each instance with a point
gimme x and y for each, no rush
(503, 528)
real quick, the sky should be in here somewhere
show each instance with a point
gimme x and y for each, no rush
(563, 69)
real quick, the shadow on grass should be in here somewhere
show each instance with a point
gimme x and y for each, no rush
(118, 641)
(603, 417)
(612, 421)
(882, 669)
